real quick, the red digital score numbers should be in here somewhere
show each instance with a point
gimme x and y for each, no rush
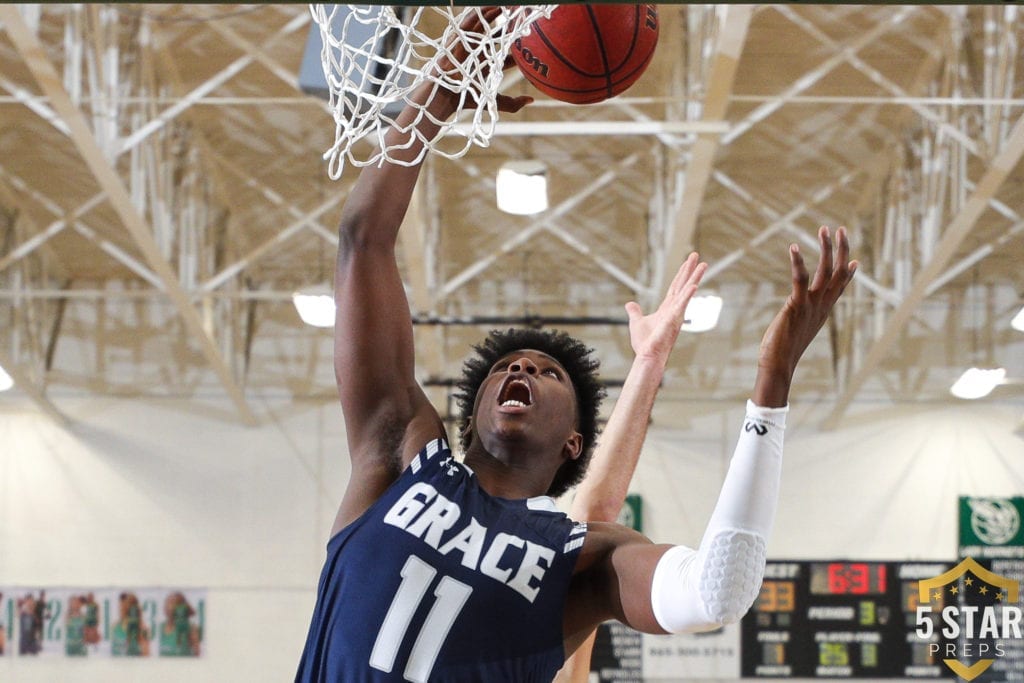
(848, 578)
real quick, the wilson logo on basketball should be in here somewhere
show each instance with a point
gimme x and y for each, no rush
(584, 54)
(527, 58)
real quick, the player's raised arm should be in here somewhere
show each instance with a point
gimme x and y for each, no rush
(601, 494)
(673, 588)
(387, 416)
(652, 337)
(373, 341)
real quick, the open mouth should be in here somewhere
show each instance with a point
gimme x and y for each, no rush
(515, 393)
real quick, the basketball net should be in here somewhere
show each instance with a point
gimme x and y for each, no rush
(375, 56)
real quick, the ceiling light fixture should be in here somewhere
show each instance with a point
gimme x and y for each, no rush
(702, 313)
(1018, 321)
(5, 380)
(522, 187)
(977, 382)
(315, 305)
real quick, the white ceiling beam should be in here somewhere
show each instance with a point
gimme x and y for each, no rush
(50, 231)
(878, 78)
(603, 263)
(35, 104)
(14, 192)
(274, 197)
(895, 100)
(780, 222)
(142, 294)
(34, 54)
(975, 257)
(305, 220)
(119, 254)
(563, 128)
(813, 76)
(529, 231)
(197, 93)
(411, 236)
(414, 245)
(622, 102)
(488, 183)
(266, 246)
(289, 76)
(731, 37)
(952, 237)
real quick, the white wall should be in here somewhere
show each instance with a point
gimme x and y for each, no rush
(884, 486)
(176, 493)
(163, 493)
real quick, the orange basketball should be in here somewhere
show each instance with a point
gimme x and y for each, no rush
(584, 54)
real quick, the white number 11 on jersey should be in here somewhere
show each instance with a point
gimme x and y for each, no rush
(451, 595)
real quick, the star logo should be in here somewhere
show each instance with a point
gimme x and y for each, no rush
(967, 581)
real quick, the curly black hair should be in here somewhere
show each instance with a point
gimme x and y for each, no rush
(577, 360)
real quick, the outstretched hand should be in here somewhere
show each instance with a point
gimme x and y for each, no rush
(806, 309)
(653, 336)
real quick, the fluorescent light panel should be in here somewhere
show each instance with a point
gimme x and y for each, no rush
(702, 313)
(522, 187)
(977, 382)
(1018, 321)
(315, 306)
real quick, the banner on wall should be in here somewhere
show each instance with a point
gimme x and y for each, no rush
(107, 622)
(992, 540)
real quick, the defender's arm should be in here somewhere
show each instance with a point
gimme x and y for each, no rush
(601, 494)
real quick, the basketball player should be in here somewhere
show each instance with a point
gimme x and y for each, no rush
(464, 572)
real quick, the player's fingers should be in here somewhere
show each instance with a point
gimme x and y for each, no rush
(471, 19)
(696, 276)
(823, 273)
(634, 311)
(798, 272)
(511, 105)
(683, 273)
(688, 291)
(476, 18)
(842, 271)
(490, 12)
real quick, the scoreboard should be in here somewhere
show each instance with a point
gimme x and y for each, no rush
(840, 619)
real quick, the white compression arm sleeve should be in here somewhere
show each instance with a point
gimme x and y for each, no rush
(698, 590)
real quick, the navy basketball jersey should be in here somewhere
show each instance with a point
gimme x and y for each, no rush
(440, 581)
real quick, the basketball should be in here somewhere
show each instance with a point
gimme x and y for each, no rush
(584, 54)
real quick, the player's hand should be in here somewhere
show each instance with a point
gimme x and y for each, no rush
(806, 309)
(653, 336)
(478, 22)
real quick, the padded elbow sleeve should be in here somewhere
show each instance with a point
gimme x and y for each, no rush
(717, 584)
(702, 590)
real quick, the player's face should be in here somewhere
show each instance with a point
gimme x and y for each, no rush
(526, 395)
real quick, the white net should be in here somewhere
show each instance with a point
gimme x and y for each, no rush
(375, 56)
